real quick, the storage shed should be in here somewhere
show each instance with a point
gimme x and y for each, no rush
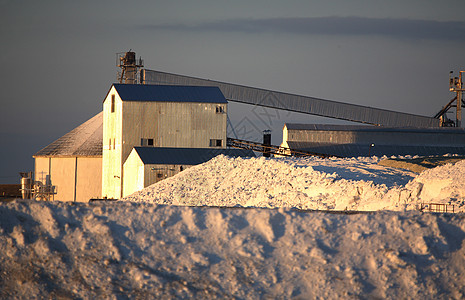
(148, 165)
(73, 163)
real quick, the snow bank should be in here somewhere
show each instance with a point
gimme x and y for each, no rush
(120, 250)
(442, 184)
(307, 183)
(137, 248)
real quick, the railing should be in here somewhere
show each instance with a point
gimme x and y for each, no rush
(277, 150)
(437, 207)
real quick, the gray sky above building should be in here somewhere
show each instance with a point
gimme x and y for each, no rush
(58, 57)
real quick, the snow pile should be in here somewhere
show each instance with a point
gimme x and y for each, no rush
(442, 184)
(142, 250)
(307, 183)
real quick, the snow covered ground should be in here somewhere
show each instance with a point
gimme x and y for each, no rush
(262, 246)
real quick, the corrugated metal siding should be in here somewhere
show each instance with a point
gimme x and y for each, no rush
(303, 104)
(353, 141)
(137, 92)
(339, 134)
(185, 156)
(172, 124)
(356, 150)
(156, 173)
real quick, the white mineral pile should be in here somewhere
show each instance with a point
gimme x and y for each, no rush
(308, 183)
(121, 250)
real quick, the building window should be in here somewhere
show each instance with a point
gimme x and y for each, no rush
(111, 144)
(146, 142)
(216, 143)
(159, 175)
(112, 103)
(219, 110)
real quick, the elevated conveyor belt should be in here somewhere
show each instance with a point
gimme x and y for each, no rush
(296, 103)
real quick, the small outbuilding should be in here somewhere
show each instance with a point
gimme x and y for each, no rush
(73, 163)
(148, 165)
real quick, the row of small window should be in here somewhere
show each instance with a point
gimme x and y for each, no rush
(146, 142)
(216, 143)
(220, 110)
(162, 174)
(149, 143)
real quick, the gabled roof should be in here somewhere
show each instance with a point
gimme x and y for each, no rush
(185, 156)
(84, 140)
(169, 93)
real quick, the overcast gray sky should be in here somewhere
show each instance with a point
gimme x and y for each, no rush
(58, 57)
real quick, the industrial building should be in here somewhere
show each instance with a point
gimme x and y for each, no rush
(157, 116)
(360, 140)
(73, 163)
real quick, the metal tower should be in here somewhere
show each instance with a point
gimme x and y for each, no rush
(456, 85)
(130, 67)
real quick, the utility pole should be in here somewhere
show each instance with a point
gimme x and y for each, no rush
(456, 85)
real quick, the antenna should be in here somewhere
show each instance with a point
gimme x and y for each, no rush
(129, 66)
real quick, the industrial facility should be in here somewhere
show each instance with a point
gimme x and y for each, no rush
(156, 124)
(359, 140)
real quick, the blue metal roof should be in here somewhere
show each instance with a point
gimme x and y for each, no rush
(169, 93)
(185, 156)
